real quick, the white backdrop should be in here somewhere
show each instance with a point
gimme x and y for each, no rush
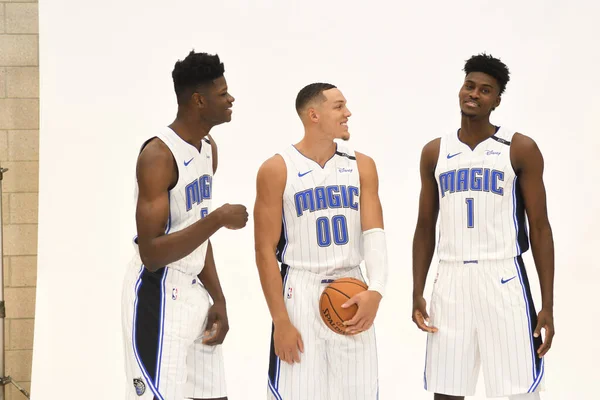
(106, 85)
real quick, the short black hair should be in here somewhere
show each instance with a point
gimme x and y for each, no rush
(489, 65)
(310, 92)
(194, 70)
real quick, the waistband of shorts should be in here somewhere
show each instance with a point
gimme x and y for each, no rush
(324, 278)
(459, 263)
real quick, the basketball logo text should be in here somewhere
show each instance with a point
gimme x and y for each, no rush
(471, 179)
(324, 197)
(197, 191)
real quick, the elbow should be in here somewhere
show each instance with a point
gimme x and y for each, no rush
(540, 228)
(149, 262)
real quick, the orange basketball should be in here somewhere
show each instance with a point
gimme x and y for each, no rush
(332, 298)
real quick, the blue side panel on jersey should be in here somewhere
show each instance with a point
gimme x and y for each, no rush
(274, 361)
(535, 343)
(148, 320)
(519, 218)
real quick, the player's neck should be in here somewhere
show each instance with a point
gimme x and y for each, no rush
(474, 131)
(191, 131)
(320, 150)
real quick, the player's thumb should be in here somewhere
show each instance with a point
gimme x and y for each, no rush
(210, 321)
(538, 329)
(300, 343)
(423, 312)
(350, 302)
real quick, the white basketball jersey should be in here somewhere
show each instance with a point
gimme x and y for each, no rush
(482, 215)
(190, 199)
(321, 212)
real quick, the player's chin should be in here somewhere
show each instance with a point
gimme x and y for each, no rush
(227, 116)
(468, 113)
(345, 136)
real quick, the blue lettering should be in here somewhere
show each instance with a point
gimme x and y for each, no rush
(495, 178)
(320, 198)
(461, 181)
(304, 201)
(486, 180)
(353, 192)
(471, 179)
(447, 182)
(192, 195)
(476, 178)
(333, 197)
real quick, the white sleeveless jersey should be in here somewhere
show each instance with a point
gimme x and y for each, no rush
(482, 215)
(190, 199)
(321, 230)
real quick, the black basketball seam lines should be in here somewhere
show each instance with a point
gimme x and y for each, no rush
(354, 283)
(332, 308)
(337, 290)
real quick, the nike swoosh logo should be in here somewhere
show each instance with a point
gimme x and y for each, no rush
(507, 280)
(453, 155)
(186, 163)
(301, 175)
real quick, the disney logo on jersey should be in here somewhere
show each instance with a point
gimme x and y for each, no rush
(492, 153)
(471, 179)
(324, 197)
(197, 191)
(342, 170)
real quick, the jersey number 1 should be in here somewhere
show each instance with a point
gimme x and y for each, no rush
(339, 227)
(470, 212)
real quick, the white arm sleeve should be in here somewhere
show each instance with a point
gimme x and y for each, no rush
(376, 263)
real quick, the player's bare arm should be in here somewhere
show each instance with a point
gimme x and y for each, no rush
(217, 323)
(270, 186)
(528, 164)
(424, 237)
(371, 218)
(156, 174)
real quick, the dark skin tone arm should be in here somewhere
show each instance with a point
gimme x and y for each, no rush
(424, 237)
(156, 174)
(528, 164)
(217, 323)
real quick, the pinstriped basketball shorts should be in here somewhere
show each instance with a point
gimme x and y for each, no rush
(163, 320)
(485, 317)
(333, 366)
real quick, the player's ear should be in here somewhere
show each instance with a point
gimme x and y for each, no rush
(198, 100)
(313, 115)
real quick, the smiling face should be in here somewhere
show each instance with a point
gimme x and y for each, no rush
(215, 102)
(479, 95)
(332, 114)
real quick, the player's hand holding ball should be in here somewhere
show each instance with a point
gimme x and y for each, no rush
(287, 341)
(368, 304)
(234, 216)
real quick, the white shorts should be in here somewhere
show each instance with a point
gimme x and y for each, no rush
(333, 366)
(163, 320)
(485, 315)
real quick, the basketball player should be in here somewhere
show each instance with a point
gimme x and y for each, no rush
(172, 332)
(483, 180)
(317, 201)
